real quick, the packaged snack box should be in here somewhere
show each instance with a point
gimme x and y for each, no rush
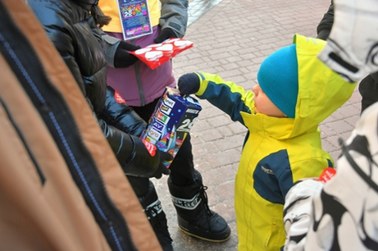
(170, 123)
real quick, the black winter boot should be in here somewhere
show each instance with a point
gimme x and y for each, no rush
(193, 213)
(155, 214)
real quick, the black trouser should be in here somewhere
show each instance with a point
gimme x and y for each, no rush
(182, 168)
(369, 90)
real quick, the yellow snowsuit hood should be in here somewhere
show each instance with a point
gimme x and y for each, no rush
(320, 92)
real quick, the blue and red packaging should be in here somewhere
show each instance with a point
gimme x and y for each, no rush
(171, 122)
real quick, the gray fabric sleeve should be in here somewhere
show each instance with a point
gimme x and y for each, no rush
(110, 47)
(174, 15)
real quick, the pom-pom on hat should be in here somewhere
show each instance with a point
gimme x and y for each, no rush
(278, 78)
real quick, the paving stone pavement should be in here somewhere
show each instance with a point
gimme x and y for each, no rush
(231, 38)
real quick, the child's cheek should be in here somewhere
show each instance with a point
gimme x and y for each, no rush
(256, 107)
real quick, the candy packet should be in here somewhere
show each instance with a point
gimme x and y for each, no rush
(157, 54)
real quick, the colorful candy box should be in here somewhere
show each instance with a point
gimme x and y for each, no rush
(170, 123)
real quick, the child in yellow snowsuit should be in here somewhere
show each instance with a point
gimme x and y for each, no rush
(294, 94)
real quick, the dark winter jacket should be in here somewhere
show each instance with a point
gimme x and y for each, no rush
(324, 27)
(73, 30)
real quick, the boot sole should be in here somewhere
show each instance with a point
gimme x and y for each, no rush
(203, 238)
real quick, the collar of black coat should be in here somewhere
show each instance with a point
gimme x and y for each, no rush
(86, 4)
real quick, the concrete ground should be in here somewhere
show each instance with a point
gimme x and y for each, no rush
(231, 38)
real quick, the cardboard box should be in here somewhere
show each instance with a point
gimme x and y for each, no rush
(171, 122)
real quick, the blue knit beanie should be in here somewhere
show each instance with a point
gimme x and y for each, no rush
(278, 78)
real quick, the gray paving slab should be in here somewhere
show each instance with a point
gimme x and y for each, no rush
(199, 7)
(232, 38)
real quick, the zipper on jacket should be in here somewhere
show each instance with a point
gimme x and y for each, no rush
(139, 85)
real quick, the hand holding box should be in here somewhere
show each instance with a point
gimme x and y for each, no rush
(171, 122)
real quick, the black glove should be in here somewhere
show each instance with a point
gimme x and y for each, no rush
(188, 83)
(143, 164)
(164, 157)
(165, 34)
(122, 57)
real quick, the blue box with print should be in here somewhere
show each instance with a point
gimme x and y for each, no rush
(171, 121)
